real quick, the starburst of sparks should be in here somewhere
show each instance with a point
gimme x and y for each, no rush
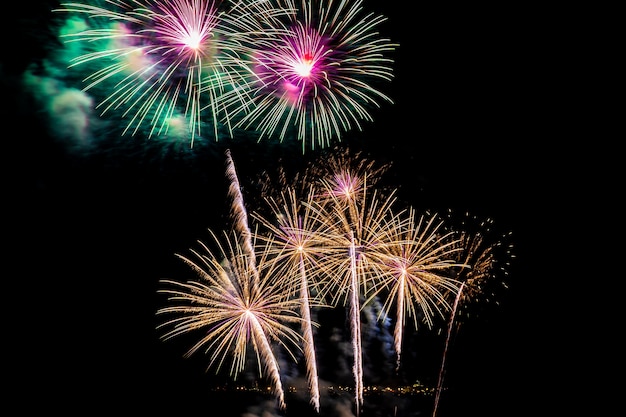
(321, 77)
(419, 272)
(234, 310)
(356, 224)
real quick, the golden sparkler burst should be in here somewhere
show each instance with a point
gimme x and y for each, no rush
(421, 265)
(232, 310)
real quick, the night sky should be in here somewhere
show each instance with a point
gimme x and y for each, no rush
(96, 229)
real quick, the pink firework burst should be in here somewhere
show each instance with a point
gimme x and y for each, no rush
(319, 77)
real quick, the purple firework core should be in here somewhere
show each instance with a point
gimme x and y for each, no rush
(298, 66)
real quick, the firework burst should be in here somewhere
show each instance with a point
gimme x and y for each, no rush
(160, 59)
(329, 224)
(486, 259)
(233, 309)
(347, 173)
(420, 269)
(320, 77)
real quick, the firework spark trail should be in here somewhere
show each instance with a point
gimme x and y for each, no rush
(233, 313)
(239, 213)
(398, 330)
(309, 345)
(318, 77)
(445, 350)
(268, 359)
(162, 56)
(298, 246)
(355, 326)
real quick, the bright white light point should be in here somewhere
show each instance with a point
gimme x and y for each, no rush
(304, 66)
(303, 69)
(300, 248)
(193, 40)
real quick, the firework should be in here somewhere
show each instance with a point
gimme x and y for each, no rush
(234, 310)
(160, 60)
(486, 257)
(233, 301)
(485, 260)
(347, 173)
(239, 214)
(420, 269)
(329, 238)
(319, 77)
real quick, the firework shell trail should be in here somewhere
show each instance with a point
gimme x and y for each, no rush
(445, 351)
(355, 326)
(239, 213)
(484, 260)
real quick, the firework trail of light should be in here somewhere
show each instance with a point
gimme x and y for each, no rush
(318, 79)
(234, 313)
(445, 350)
(165, 55)
(419, 269)
(355, 320)
(299, 247)
(485, 259)
(239, 214)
